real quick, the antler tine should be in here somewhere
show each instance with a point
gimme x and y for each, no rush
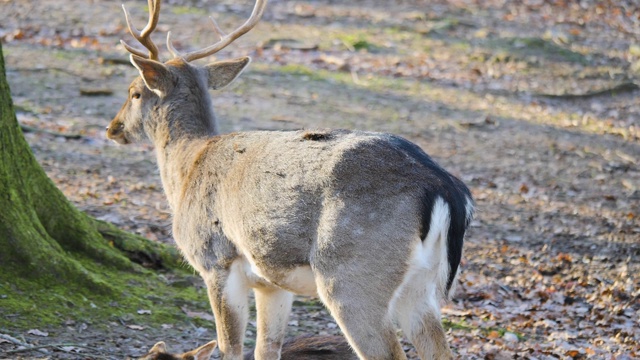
(227, 39)
(176, 53)
(217, 28)
(144, 36)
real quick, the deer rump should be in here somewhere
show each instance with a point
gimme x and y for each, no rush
(291, 205)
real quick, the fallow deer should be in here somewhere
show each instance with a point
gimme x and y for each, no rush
(366, 221)
(318, 347)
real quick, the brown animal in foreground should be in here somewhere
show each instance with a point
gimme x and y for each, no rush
(365, 221)
(304, 347)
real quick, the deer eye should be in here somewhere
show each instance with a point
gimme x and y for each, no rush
(135, 95)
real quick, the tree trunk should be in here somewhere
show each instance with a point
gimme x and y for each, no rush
(44, 239)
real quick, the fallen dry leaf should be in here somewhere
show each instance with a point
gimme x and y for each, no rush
(37, 332)
(198, 314)
(135, 327)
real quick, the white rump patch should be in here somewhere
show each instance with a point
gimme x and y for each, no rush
(426, 278)
(437, 242)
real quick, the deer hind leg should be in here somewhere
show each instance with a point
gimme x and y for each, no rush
(228, 294)
(417, 309)
(362, 314)
(273, 307)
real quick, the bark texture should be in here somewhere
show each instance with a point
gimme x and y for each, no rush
(43, 237)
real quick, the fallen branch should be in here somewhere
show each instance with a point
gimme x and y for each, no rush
(20, 343)
(95, 92)
(40, 348)
(615, 90)
(65, 71)
(112, 60)
(60, 347)
(26, 128)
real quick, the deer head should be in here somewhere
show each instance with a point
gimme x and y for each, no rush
(159, 352)
(175, 89)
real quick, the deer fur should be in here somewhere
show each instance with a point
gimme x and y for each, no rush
(366, 221)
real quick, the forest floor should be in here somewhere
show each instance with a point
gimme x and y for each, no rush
(533, 103)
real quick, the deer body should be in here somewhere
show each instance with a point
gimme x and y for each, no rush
(283, 203)
(366, 221)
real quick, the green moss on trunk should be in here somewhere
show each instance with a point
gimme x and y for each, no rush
(58, 263)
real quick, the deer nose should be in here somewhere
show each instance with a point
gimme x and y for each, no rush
(115, 129)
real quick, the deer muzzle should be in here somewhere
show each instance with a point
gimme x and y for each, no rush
(115, 132)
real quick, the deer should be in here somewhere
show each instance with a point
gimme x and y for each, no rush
(305, 347)
(159, 352)
(365, 221)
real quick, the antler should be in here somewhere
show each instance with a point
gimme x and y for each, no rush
(144, 36)
(225, 39)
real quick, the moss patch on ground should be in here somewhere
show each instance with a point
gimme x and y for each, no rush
(142, 297)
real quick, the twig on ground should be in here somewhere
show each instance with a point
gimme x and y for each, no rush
(21, 343)
(355, 78)
(94, 352)
(65, 71)
(56, 346)
(621, 88)
(115, 60)
(27, 128)
(95, 92)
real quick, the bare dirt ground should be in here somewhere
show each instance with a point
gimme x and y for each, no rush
(533, 103)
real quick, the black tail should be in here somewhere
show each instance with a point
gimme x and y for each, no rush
(453, 191)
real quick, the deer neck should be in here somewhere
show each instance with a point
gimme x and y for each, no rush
(180, 134)
(175, 162)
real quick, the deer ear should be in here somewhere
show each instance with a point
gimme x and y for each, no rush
(222, 73)
(203, 352)
(159, 347)
(155, 75)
